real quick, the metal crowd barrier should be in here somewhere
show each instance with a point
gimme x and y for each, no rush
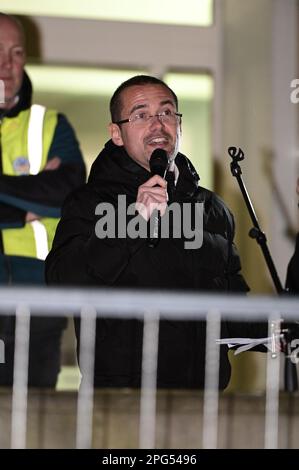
(150, 307)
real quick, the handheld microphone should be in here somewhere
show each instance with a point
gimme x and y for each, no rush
(158, 165)
(158, 162)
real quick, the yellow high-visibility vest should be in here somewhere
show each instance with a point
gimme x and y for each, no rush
(25, 142)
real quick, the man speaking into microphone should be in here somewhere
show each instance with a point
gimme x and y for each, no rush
(145, 117)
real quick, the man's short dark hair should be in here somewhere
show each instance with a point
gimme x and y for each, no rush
(116, 102)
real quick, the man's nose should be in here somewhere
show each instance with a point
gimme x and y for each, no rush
(156, 121)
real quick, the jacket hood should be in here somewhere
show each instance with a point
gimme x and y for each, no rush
(115, 169)
(25, 97)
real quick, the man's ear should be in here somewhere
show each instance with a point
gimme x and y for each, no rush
(115, 134)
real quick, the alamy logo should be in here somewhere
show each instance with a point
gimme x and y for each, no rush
(2, 352)
(295, 351)
(294, 96)
(185, 220)
(2, 100)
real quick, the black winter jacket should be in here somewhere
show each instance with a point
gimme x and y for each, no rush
(78, 257)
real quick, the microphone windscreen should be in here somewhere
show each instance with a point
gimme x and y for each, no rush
(158, 162)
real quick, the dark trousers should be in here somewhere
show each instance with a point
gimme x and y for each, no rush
(44, 350)
(45, 332)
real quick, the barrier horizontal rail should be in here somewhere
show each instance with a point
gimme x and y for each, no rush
(149, 306)
(133, 303)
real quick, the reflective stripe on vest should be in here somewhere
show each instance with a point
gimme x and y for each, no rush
(35, 137)
(35, 156)
(41, 239)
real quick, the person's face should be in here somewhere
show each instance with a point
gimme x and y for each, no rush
(140, 140)
(12, 59)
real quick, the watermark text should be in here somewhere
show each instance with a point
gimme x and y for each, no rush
(179, 221)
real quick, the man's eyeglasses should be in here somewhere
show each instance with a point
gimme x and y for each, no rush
(166, 117)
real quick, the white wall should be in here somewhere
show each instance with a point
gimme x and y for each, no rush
(285, 125)
(258, 64)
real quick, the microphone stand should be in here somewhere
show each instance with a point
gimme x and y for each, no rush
(237, 155)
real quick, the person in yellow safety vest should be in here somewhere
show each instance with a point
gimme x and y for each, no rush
(40, 163)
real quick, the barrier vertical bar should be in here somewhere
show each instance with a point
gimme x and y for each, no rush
(147, 424)
(85, 394)
(211, 392)
(20, 379)
(272, 390)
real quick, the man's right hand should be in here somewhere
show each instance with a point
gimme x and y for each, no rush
(152, 195)
(53, 164)
(30, 217)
